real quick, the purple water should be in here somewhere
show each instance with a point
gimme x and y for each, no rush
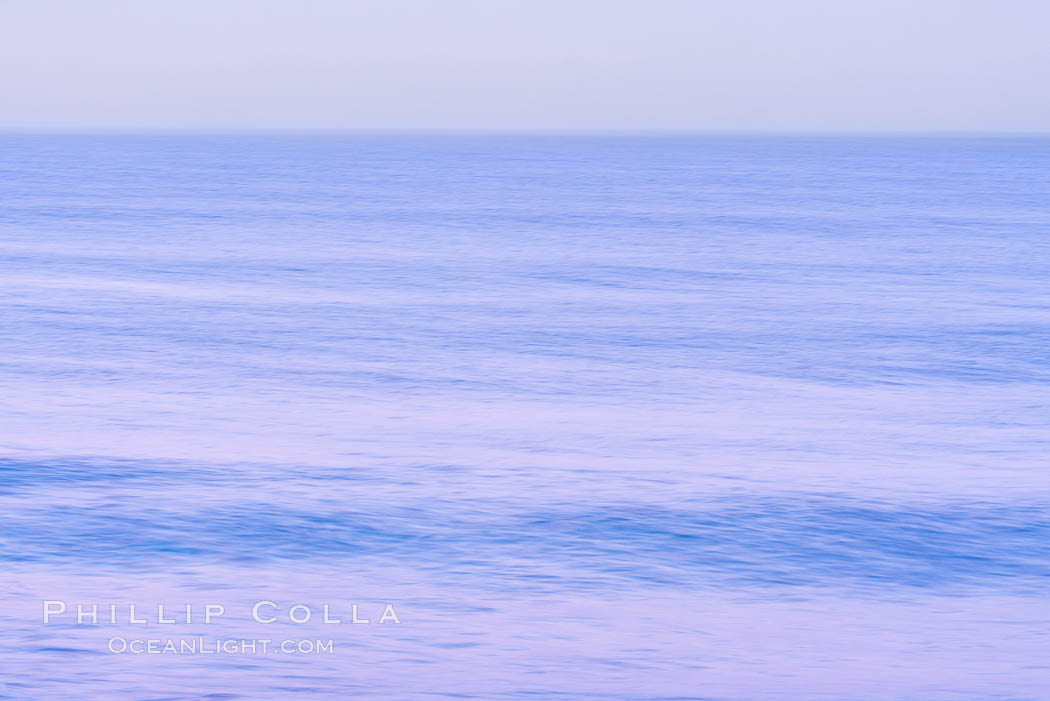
(597, 417)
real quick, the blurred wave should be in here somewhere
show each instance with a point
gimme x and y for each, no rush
(747, 540)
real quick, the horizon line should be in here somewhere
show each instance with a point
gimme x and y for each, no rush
(501, 131)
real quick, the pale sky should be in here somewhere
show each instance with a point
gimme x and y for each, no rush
(738, 65)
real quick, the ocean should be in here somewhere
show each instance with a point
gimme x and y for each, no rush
(731, 418)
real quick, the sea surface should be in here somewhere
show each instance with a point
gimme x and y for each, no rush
(598, 417)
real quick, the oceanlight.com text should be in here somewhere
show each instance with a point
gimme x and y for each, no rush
(230, 646)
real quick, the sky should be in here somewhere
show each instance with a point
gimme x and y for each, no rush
(649, 65)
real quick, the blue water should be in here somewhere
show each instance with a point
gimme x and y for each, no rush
(602, 417)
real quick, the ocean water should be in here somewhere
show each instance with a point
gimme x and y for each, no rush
(599, 417)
